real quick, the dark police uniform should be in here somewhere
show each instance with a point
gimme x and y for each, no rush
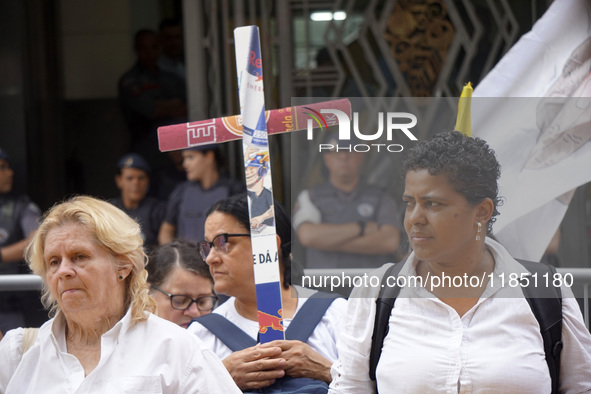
(189, 202)
(19, 217)
(139, 91)
(149, 214)
(367, 203)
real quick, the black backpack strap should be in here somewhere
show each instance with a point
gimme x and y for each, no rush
(226, 331)
(384, 305)
(546, 305)
(309, 315)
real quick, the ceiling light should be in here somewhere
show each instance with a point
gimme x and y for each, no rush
(324, 16)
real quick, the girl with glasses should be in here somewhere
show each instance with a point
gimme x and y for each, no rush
(180, 283)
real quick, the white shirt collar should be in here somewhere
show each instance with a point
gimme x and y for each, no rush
(108, 339)
(504, 265)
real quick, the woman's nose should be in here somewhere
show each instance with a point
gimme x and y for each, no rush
(66, 268)
(213, 256)
(415, 214)
(193, 311)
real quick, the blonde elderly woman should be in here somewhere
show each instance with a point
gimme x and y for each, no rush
(103, 337)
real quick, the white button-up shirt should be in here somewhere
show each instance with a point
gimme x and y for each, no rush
(495, 347)
(152, 356)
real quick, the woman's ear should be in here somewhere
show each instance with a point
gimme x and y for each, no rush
(210, 156)
(118, 182)
(279, 255)
(124, 270)
(484, 210)
(278, 244)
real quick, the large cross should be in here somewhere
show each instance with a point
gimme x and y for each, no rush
(253, 127)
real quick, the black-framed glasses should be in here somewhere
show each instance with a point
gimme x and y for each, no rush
(219, 242)
(183, 302)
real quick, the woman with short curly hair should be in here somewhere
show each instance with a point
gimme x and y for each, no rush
(458, 324)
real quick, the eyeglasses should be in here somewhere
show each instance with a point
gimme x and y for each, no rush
(219, 242)
(183, 302)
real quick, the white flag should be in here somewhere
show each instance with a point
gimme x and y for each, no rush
(534, 110)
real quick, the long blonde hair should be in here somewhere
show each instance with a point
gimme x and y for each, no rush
(114, 230)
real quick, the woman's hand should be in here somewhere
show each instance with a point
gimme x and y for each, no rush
(302, 360)
(255, 367)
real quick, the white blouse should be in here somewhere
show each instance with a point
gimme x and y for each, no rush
(323, 339)
(495, 347)
(153, 356)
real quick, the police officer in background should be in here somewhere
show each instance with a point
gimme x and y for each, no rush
(206, 184)
(133, 180)
(345, 222)
(151, 97)
(19, 219)
(172, 57)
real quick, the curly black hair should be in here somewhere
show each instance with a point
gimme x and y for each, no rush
(469, 164)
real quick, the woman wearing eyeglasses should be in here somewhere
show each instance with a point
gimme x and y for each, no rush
(228, 253)
(180, 283)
